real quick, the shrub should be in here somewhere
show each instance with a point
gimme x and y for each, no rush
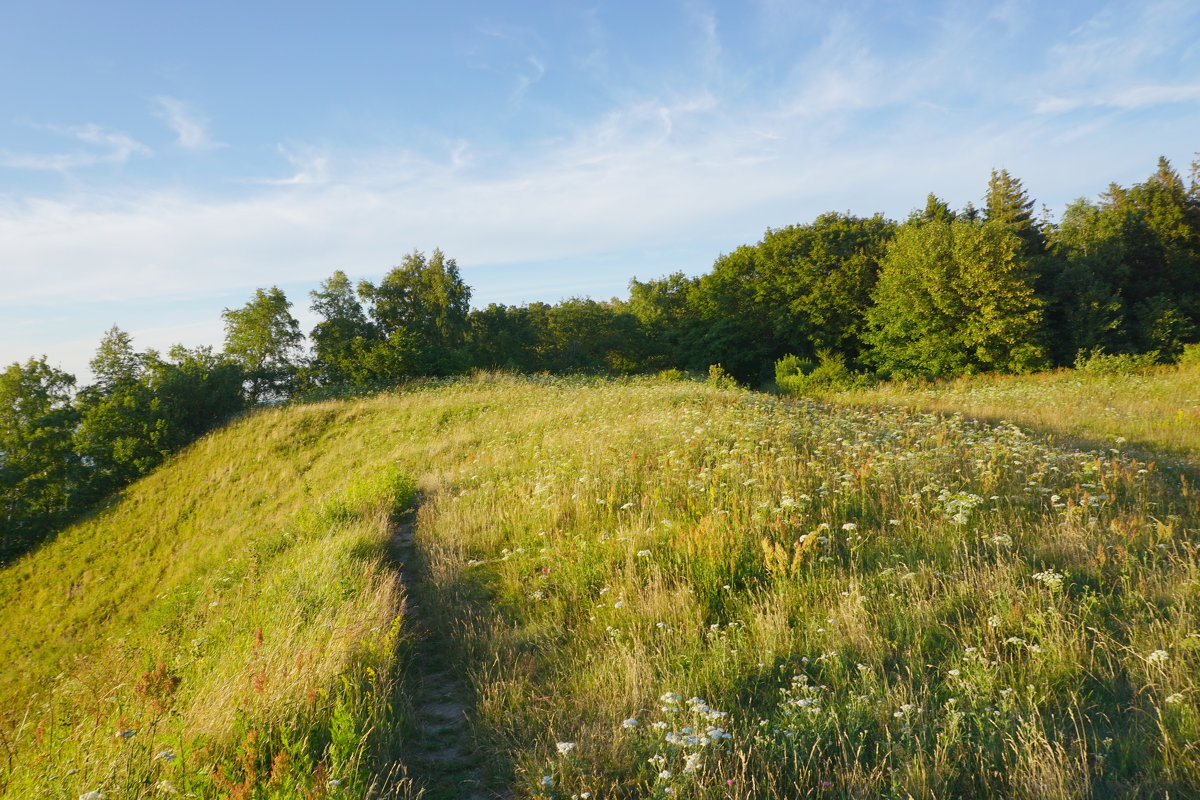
(1098, 362)
(718, 378)
(1190, 355)
(830, 374)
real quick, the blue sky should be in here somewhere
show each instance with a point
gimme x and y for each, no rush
(159, 161)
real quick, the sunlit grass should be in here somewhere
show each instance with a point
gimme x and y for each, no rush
(654, 588)
(885, 603)
(1156, 410)
(229, 623)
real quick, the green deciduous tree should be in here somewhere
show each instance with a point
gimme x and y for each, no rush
(815, 281)
(728, 323)
(265, 340)
(39, 471)
(956, 298)
(1084, 281)
(662, 307)
(420, 311)
(343, 334)
(504, 337)
(584, 335)
(128, 425)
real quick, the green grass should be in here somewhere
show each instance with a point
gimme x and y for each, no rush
(866, 602)
(233, 611)
(1156, 410)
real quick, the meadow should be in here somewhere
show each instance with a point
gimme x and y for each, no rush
(647, 588)
(1154, 409)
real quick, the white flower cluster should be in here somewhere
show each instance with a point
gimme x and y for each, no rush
(1051, 579)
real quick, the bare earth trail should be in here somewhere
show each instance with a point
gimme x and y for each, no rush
(443, 760)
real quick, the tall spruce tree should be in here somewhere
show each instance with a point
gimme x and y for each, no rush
(1008, 204)
(936, 210)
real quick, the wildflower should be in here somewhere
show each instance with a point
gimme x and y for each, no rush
(565, 747)
(1157, 657)
(1175, 698)
(954, 673)
(692, 763)
(1051, 579)
(166, 787)
(849, 527)
(665, 774)
(334, 782)
(166, 755)
(547, 782)
(630, 723)
(643, 553)
(125, 734)
(670, 698)
(94, 794)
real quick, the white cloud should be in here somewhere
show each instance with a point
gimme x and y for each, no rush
(310, 167)
(1127, 99)
(645, 176)
(525, 81)
(191, 129)
(109, 147)
(696, 168)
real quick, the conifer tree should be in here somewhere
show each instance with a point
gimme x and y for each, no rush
(936, 210)
(1007, 203)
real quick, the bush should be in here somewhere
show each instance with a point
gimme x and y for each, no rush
(830, 374)
(672, 375)
(1190, 355)
(719, 378)
(1098, 362)
(790, 366)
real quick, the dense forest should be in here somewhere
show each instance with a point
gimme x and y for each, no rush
(840, 299)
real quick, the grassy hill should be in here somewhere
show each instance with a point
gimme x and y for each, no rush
(648, 589)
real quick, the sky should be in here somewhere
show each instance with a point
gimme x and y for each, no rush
(161, 161)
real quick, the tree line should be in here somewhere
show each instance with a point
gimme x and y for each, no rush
(945, 292)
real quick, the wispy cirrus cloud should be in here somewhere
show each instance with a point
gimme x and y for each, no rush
(310, 166)
(1126, 99)
(190, 128)
(107, 146)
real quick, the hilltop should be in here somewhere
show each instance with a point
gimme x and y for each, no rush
(638, 587)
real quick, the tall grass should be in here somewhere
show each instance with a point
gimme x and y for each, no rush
(654, 589)
(228, 627)
(672, 590)
(1154, 409)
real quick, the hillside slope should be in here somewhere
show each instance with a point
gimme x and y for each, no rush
(858, 603)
